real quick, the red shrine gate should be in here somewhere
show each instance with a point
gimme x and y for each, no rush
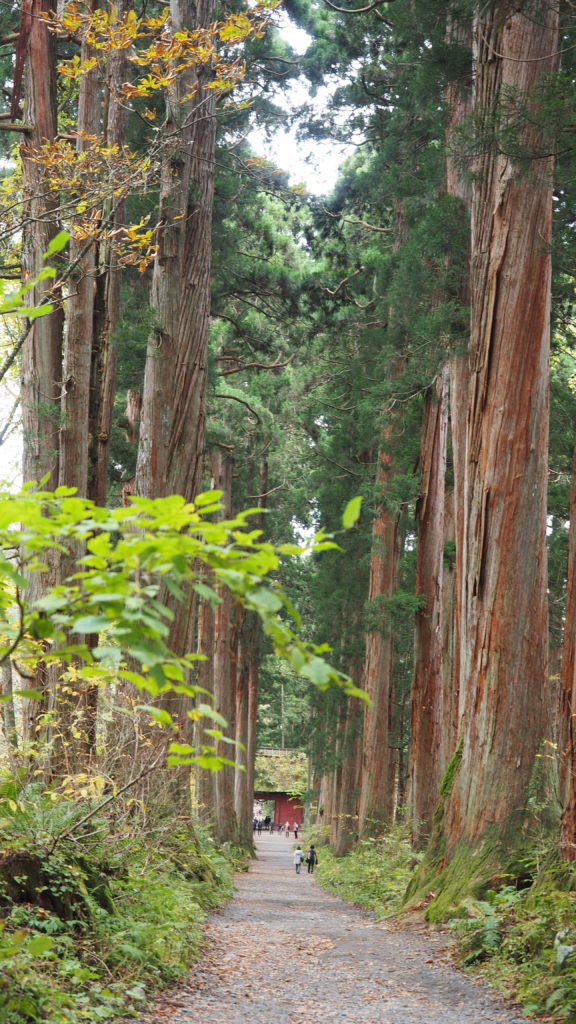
(286, 808)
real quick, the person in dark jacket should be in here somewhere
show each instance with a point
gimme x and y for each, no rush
(311, 859)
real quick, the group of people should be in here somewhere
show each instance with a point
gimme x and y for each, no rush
(311, 859)
(266, 824)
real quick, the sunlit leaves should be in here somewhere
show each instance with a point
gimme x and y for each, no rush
(14, 302)
(351, 513)
(155, 46)
(116, 593)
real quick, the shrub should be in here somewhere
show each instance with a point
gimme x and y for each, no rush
(375, 875)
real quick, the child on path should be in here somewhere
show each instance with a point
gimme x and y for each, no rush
(311, 859)
(298, 858)
(287, 830)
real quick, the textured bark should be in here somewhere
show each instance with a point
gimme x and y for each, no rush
(449, 713)
(8, 716)
(427, 763)
(247, 686)
(204, 781)
(348, 781)
(173, 410)
(459, 377)
(336, 775)
(377, 785)
(504, 603)
(76, 703)
(568, 676)
(107, 298)
(77, 363)
(224, 693)
(253, 690)
(324, 787)
(42, 351)
(243, 798)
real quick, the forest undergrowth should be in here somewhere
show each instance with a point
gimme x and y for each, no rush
(521, 938)
(96, 917)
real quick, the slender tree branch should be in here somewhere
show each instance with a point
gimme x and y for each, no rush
(338, 465)
(355, 10)
(13, 126)
(20, 633)
(334, 291)
(8, 424)
(261, 366)
(66, 833)
(234, 398)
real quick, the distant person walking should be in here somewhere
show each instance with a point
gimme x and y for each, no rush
(287, 830)
(311, 859)
(296, 827)
(298, 858)
(259, 826)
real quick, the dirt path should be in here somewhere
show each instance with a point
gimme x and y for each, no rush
(286, 952)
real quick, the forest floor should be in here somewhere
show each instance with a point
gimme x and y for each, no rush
(283, 951)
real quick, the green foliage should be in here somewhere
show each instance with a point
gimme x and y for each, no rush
(284, 771)
(105, 958)
(283, 706)
(524, 942)
(14, 302)
(375, 875)
(132, 557)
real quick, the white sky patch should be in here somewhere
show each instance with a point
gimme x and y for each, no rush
(11, 445)
(312, 163)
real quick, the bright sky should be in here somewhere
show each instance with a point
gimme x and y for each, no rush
(311, 163)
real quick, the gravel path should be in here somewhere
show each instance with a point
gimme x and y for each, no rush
(283, 951)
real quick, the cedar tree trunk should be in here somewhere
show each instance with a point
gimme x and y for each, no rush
(504, 661)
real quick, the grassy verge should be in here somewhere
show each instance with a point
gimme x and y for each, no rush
(524, 943)
(374, 876)
(521, 941)
(90, 928)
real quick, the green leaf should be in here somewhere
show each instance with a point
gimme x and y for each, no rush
(32, 312)
(207, 593)
(107, 655)
(207, 497)
(90, 624)
(265, 600)
(181, 748)
(351, 513)
(30, 694)
(57, 243)
(355, 691)
(318, 671)
(39, 944)
(159, 715)
(214, 715)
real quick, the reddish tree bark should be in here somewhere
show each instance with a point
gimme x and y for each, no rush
(77, 362)
(107, 298)
(42, 351)
(427, 755)
(504, 600)
(224, 682)
(568, 676)
(247, 686)
(377, 783)
(173, 409)
(347, 788)
(204, 780)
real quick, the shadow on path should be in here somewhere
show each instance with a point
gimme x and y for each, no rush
(283, 951)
